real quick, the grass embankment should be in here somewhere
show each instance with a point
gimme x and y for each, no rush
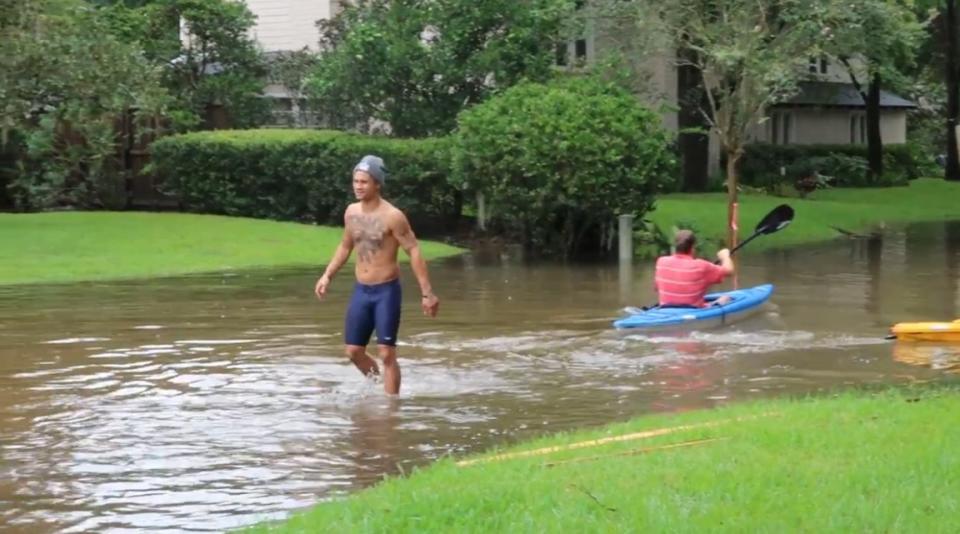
(79, 246)
(856, 462)
(854, 210)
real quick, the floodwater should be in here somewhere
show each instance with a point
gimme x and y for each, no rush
(210, 402)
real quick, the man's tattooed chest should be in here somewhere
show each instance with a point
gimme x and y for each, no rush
(368, 233)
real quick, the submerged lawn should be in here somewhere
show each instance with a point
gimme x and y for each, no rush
(855, 210)
(77, 246)
(857, 462)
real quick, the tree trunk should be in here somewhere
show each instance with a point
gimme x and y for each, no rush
(952, 171)
(694, 147)
(216, 117)
(871, 101)
(733, 179)
(874, 140)
(481, 212)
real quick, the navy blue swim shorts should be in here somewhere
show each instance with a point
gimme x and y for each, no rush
(372, 307)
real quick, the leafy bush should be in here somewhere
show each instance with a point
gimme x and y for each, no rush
(216, 76)
(301, 175)
(558, 163)
(66, 82)
(911, 159)
(71, 162)
(845, 164)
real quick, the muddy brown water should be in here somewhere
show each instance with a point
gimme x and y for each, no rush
(210, 402)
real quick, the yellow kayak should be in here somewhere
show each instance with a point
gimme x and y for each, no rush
(927, 331)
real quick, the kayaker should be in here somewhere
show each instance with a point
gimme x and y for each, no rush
(377, 229)
(682, 280)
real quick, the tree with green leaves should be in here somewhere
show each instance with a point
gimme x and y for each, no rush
(875, 41)
(951, 23)
(64, 82)
(750, 55)
(219, 63)
(936, 74)
(416, 64)
(216, 70)
(925, 85)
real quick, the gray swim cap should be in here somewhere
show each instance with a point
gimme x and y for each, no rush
(373, 166)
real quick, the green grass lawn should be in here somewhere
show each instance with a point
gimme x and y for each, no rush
(78, 246)
(856, 462)
(850, 209)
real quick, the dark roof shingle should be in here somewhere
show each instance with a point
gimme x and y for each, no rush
(833, 94)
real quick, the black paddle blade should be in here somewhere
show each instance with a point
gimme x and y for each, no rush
(776, 220)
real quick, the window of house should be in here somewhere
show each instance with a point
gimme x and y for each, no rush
(580, 50)
(562, 53)
(818, 65)
(781, 128)
(858, 128)
(573, 52)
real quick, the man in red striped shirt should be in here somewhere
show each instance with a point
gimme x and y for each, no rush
(682, 280)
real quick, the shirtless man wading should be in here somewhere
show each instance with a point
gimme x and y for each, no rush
(377, 230)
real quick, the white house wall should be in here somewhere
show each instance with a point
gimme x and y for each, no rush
(661, 93)
(893, 126)
(812, 125)
(289, 24)
(665, 76)
(655, 79)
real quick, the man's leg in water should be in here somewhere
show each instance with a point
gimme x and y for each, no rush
(358, 355)
(357, 329)
(391, 369)
(387, 321)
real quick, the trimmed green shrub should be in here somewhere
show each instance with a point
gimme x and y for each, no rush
(301, 175)
(845, 165)
(558, 163)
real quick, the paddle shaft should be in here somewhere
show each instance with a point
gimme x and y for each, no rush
(742, 243)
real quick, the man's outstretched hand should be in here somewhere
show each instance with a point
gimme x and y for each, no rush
(322, 284)
(430, 304)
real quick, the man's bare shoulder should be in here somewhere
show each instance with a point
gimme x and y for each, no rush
(387, 207)
(393, 214)
(351, 209)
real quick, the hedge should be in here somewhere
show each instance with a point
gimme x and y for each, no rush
(301, 175)
(846, 164)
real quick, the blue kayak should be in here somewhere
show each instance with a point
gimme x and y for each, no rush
(743, 302)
